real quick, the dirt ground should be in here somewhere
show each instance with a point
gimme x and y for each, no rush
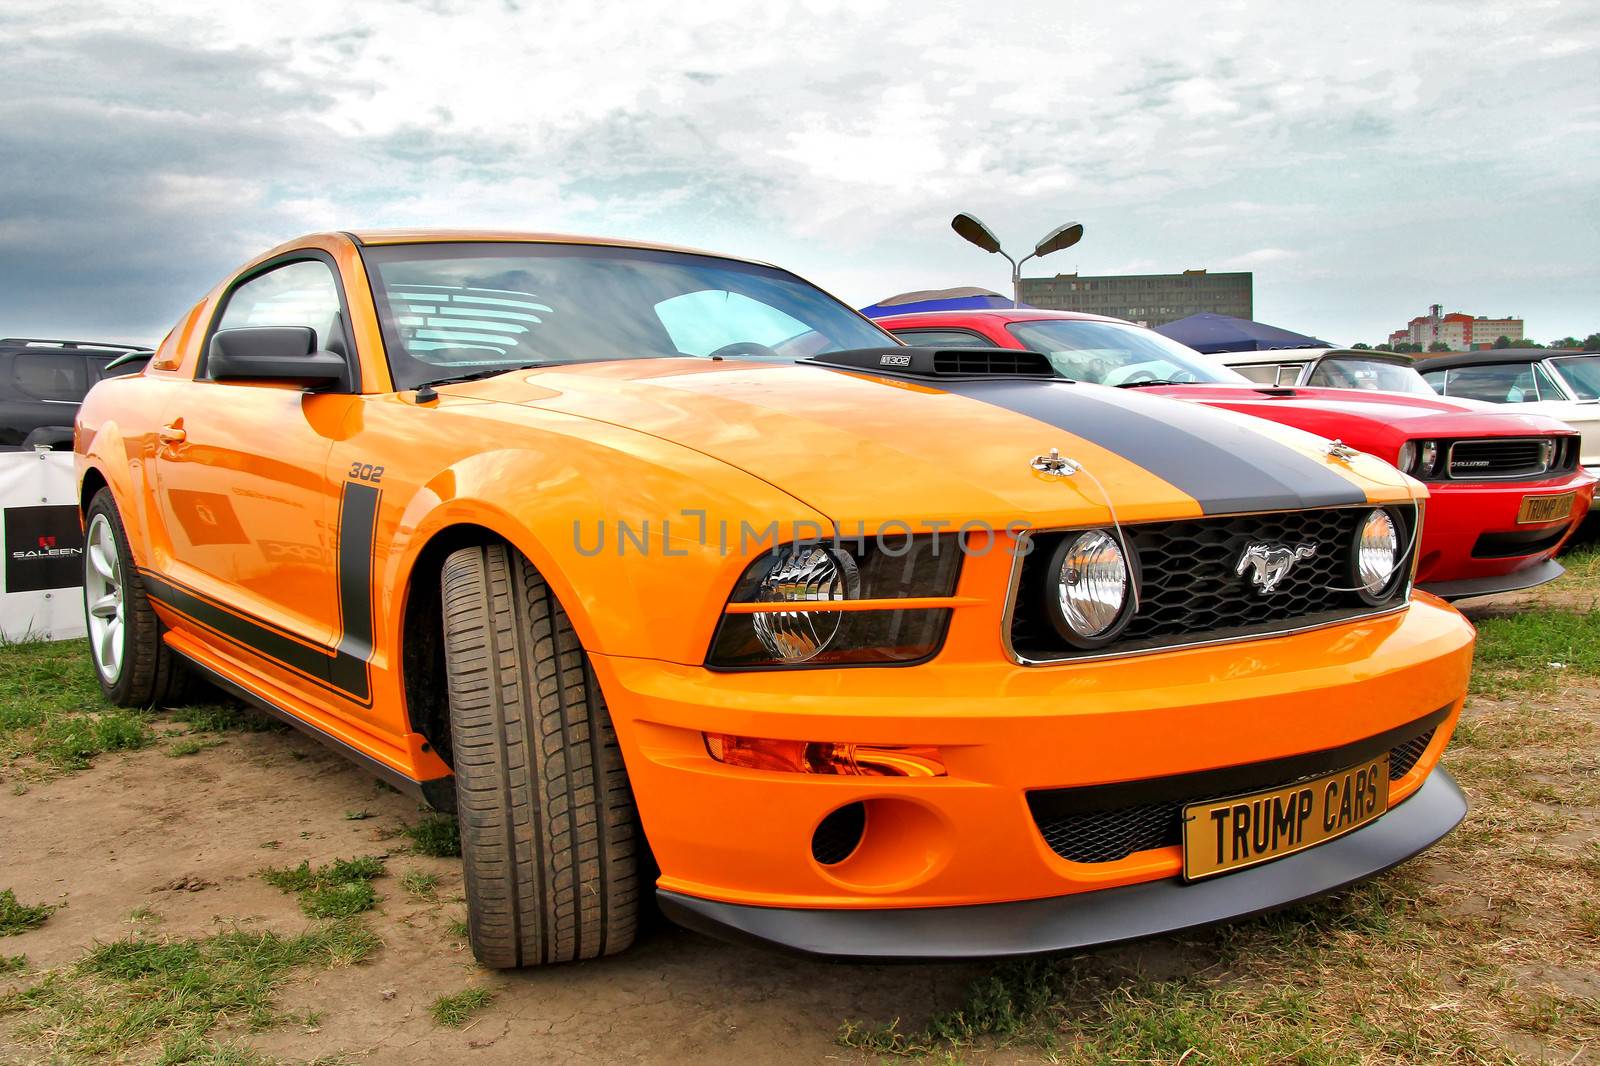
(174, 846)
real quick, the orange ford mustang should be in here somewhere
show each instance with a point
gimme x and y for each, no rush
(643, 558)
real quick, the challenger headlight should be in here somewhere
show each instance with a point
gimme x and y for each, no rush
(1091, 588)
(811, 577)
(1377, 555)
(1419, 458)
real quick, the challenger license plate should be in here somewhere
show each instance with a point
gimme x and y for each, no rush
(1546, 508)
(1230, 834)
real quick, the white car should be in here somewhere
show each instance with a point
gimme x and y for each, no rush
(1561, 384)
(1329, 368)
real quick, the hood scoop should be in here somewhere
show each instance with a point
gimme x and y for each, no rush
(939, 363)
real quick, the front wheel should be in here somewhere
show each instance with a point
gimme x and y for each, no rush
(133, 664)
(549, 835)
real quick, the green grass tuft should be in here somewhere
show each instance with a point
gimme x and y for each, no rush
(19, 918)
(227, 718)
(437, 835)
(338, 890)
(13, 963)
(453, 1010)
(421, 885)
(134, 992)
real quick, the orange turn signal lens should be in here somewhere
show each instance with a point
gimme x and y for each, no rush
(822, 757)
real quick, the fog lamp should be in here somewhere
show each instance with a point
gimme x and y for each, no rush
(1091, 585)
(1377, 553)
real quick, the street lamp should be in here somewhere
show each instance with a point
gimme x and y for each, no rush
(977, 233)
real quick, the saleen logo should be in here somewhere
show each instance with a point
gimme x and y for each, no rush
(894, 360)
(1269, 564)
(1470, 463)
(50, 552)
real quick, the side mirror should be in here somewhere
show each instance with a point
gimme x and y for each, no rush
(273, 353)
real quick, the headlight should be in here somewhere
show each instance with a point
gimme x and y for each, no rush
(804, 575)
(1090, 588)
(1418, 457)
(811, 576)
(1377, 555)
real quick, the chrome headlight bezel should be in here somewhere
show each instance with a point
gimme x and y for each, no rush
(1380, 532)
(1080, 620)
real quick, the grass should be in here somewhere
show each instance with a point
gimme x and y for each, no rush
(13, 963)
(227, 718)
(169, 994)
(340, 889)
(52, 713)
(421, 885)
(17, 917)
(437, 835)
(189, 746)
(453, 1010)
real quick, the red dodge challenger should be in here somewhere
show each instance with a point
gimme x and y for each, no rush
(1505, 490)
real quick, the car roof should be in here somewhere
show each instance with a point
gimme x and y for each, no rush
(1491, 356)
(377, 237)
(1004, 314)
(86, 348)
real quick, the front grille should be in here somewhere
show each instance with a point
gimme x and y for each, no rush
(1190, 589)
(1107, 834)
(996, 361)
(1506, 459)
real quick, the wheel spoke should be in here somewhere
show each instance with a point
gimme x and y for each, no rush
(108, 645)
(102, 566)
(105, 606)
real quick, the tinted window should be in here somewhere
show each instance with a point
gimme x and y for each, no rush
(454, 309)
(1353, 373)
(1435, 380)
(1500, 383)
(50, 376)
(1110, 353)
(295, 294)
(1582, 373)
(942, 338)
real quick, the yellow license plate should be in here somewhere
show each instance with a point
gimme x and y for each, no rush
(1546, 508)
(1230, 834)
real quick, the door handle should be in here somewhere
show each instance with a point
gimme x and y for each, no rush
(172, 433)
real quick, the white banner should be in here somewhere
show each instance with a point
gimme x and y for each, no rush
(41, 582)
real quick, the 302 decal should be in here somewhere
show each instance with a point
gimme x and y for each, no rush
(366, 472)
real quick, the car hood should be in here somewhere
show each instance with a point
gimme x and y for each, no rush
(864, 448)
(1398, 414)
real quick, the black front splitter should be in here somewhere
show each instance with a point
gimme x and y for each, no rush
(1086, 919)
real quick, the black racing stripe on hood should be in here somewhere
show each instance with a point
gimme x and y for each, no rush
(1225, 467)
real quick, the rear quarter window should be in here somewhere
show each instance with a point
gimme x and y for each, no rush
(943, 338)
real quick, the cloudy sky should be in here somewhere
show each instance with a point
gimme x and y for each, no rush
(1365, 159)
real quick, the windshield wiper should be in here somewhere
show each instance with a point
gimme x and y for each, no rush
(425, 391)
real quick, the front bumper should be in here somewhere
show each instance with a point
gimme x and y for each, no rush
(1004, 732)
(1034, 927)
(1470, 535)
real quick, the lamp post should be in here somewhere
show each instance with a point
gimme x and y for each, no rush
(970, 229)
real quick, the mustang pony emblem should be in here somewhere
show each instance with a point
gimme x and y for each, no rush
(1271, 563)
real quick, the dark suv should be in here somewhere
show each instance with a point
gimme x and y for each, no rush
(43, 381)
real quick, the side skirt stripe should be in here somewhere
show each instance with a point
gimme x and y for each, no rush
(1226, 468)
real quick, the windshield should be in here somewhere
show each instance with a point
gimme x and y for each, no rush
(1353, 372)
(455, 310)
(1581, 373)
(1110, 353)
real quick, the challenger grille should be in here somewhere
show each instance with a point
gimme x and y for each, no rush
(1190, 590)
(1080, 826)
(1506, 459)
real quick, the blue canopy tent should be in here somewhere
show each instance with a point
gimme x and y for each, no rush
(1222, 333)
(966, 298)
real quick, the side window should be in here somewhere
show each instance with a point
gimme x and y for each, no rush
(1435, 380)
(302, 293)
(1548, 389)
(942, 338)
(1500, 383)
(50, 376)
(1289, 373)
(700, 323)
(1264, 373)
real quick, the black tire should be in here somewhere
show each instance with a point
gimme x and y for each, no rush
(550, 838)
(151, 674)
